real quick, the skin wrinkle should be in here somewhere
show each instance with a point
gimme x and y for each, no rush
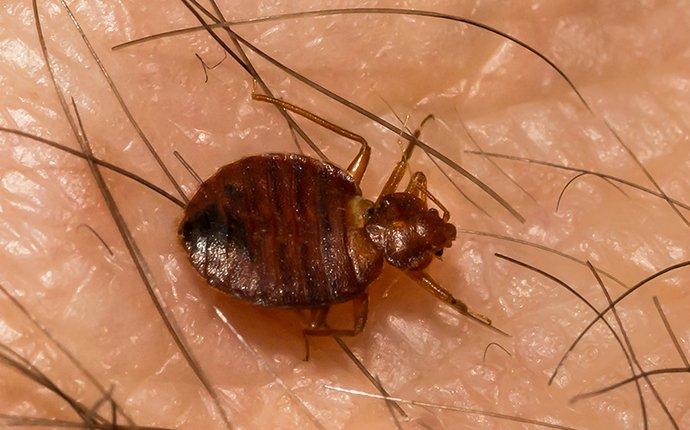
(633, 69)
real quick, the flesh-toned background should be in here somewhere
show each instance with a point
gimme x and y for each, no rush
(630, 60)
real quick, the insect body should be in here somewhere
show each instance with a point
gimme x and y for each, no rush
(286, 230)
(280, 230)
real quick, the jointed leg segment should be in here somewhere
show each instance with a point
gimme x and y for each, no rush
(317, 319)
(358, 166)
(399, 170)
(317, 325)
(360, 307)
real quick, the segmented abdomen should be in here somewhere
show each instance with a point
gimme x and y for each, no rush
(272, 230)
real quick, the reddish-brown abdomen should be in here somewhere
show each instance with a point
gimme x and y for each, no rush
(273, 230)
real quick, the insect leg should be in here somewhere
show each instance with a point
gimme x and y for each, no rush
(359, 164)
(418, 187)
(426, 282)
(399, 170)
(360, 307)
(396, 177)
(316, 320)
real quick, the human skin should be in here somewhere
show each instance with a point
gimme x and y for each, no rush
(629, 60)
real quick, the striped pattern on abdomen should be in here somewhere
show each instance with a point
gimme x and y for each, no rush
(272, 229)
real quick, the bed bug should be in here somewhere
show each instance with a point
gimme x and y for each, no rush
(290, 231)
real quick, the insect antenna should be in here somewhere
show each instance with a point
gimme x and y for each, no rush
(428, 284)
(416, 135)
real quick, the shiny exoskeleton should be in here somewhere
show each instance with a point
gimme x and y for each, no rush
(281, 230)
(286, 230)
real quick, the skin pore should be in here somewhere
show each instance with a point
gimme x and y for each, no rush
(630, 61)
